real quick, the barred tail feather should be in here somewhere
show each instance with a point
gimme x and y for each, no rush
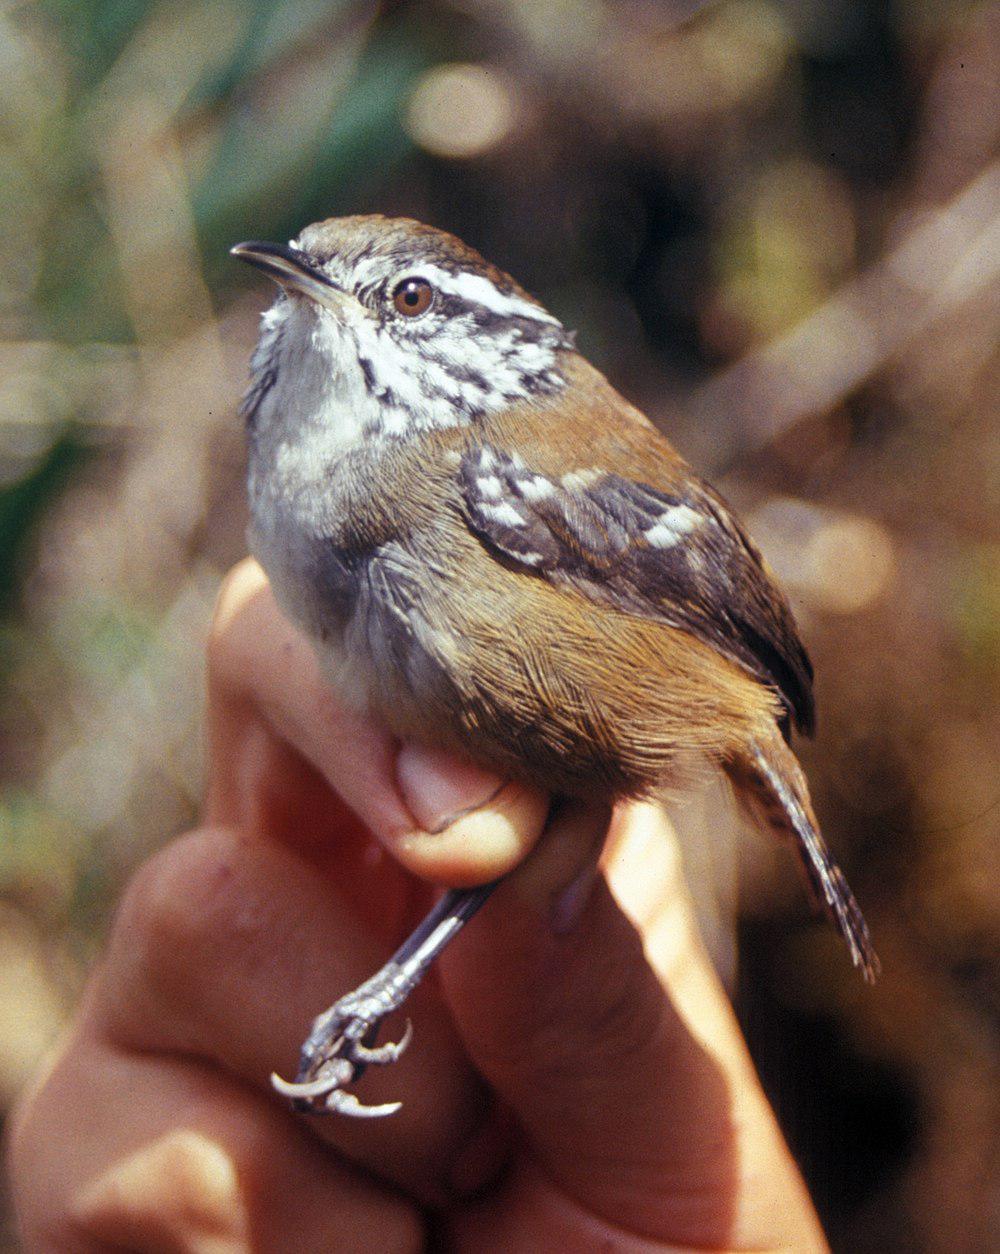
(770, 783)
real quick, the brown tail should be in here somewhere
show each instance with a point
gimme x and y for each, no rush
(770, 784)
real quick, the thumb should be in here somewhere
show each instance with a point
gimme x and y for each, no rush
(639, 1112)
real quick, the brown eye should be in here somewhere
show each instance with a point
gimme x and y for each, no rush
(413, 297)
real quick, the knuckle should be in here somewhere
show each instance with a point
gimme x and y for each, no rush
(181, 1184)
(600, 1022)
(622, 1025)
(33, 1168)
(22, 1141)
(173, 911)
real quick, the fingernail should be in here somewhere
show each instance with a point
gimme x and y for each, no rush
(439, 789)
(570, 902)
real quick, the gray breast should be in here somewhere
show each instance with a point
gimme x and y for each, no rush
(397, 638)
(372, 620)
(364, 591)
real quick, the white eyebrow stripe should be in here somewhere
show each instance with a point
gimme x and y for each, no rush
(473, 287)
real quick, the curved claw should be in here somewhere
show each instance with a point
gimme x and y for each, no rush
(341, 1103)
(382, 1055)
(304, 1089)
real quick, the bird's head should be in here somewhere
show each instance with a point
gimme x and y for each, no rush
(385, 326)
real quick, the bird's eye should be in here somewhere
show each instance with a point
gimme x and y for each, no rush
(412, 297)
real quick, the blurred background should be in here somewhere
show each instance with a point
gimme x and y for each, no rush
(776, 224)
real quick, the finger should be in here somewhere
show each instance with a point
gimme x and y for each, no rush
(148, 1153)
(226, 947)
(443, 819)
(628, 1075)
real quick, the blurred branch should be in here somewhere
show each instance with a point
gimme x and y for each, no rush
(948, 260)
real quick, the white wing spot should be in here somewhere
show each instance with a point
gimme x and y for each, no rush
(580, 480)
(490, 485)
(672, 526)
(503, 513)
(537, 488)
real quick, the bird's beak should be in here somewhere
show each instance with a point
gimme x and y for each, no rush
(292, 270)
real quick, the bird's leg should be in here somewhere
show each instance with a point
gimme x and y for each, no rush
(342, 1044)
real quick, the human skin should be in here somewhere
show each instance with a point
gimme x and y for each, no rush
(577, 1079)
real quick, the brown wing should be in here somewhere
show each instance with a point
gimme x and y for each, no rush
(678, 556)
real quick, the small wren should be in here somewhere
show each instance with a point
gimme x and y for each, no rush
(493, 552)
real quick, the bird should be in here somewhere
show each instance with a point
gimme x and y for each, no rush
(493, 552)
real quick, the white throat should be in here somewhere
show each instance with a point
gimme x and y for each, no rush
(328, 381)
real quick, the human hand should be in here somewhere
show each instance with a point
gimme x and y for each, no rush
(577, 1079)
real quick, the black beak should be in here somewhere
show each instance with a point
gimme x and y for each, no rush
(289, 267)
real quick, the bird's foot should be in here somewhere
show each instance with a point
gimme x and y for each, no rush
(341, 1045)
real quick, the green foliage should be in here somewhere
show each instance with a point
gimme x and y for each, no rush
(318, 162)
